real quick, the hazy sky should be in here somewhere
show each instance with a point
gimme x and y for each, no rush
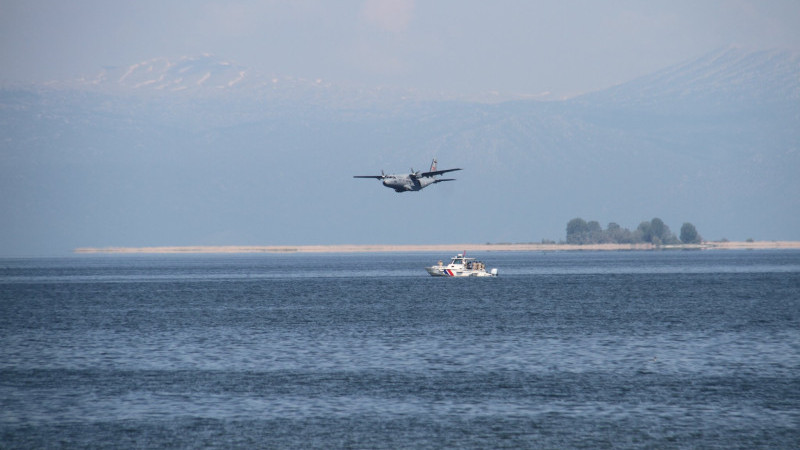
(468, 46)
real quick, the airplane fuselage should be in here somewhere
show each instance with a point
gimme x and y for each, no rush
(405, 183)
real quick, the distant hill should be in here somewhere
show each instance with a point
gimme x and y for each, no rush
(730, 75)
(199, 151)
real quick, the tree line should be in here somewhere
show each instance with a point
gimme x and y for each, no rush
(653, 231)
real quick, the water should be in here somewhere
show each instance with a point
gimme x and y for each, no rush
(563, 350)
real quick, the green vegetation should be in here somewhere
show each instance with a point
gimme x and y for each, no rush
(654, 231)
(689, 234)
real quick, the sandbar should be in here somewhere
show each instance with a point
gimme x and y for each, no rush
(445, 248)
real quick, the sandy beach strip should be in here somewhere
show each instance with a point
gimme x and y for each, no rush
(445, 248)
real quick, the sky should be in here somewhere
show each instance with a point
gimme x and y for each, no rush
(556, 48)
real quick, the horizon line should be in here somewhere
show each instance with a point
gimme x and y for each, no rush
(399, 248)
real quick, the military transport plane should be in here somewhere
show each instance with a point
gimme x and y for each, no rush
(414, 181)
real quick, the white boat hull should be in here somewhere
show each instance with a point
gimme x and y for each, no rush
(439, 271)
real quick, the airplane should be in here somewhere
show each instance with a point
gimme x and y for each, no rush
(414, 181)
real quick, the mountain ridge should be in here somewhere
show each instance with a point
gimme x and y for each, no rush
(730, 75)
(726, 70)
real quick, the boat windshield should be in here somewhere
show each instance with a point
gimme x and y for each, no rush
(457, 261)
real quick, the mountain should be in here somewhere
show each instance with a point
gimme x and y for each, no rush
(728, 76)
(211, 77)
(200, 151)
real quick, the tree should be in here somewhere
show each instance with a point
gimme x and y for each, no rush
(595, 234)
(689, 234)
(654, 231)
(577, 231)
(615, 233)
(661, 233)
(658, 229)
(645, 231)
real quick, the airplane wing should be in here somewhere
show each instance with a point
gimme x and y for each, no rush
(443, 179)
(377, 177)
(436, 172)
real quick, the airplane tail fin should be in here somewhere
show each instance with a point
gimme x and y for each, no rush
(433, 165)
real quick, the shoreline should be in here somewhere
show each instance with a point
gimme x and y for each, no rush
(448, 248)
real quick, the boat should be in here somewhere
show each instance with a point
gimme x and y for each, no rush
(461, 266)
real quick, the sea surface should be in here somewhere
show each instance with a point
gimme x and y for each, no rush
(647, 349)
